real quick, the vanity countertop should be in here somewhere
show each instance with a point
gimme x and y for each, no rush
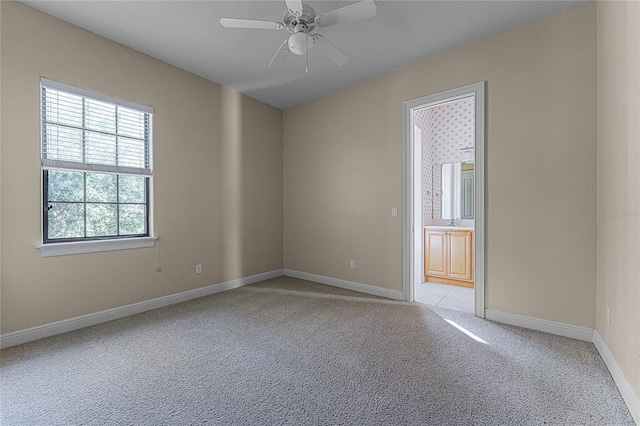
(450, 228)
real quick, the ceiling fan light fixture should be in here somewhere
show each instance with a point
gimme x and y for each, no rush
(298, 43)
(301, 20)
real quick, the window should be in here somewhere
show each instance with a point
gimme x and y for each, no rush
(96, 166)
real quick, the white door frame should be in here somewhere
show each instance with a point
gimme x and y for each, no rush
(418, 266)
(411, 232)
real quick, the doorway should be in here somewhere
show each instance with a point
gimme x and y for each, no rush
(451, 211)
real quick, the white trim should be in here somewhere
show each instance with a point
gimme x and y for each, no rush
(48, 164)
(628, 395)
(559, 328)
(631, 399)
(476, 89)
(79, 247)
(478, 214)
(349, 285)
(58, 327)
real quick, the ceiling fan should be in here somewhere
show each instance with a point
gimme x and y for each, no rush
(300, 20)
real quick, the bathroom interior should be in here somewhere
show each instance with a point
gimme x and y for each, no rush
(446, 132)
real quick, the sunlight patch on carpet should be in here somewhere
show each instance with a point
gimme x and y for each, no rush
(467, 332)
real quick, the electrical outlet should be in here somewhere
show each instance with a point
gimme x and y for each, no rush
(394, 212)
(608, 314)
(352, 264)
(198, 268)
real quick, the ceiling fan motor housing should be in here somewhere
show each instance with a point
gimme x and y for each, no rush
(307, 17)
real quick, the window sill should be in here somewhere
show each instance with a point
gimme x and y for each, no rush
(79, 247)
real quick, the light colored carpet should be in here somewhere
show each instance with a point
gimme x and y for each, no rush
(287, 351)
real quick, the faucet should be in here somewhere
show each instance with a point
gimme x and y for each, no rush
(453, 222)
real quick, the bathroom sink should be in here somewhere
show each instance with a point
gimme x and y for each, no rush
(449, 227)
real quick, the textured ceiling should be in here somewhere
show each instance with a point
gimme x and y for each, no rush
(188, 35)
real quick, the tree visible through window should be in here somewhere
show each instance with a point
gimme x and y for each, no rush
(96, 165)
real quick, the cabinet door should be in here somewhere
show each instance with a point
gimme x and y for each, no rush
(459, 249)
(435, 260)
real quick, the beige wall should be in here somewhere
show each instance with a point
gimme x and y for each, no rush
(618, 283)
(343, 169)
(218, 177)
(0, 171)
(219, 173)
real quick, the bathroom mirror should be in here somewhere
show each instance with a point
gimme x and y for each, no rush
(456, 190)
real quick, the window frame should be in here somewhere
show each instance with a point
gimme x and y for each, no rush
(46, 201)
(75, 245)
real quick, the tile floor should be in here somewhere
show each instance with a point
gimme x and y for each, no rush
(446, 296)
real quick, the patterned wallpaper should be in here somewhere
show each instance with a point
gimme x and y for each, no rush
(446, 129)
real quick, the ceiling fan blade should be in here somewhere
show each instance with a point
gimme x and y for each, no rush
(360, 10)
(295, 7)
(332, 51)
(250, 23)
(281, 54)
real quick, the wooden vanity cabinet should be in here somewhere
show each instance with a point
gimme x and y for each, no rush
(448, 256)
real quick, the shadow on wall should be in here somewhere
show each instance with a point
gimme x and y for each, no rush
(231, 179)
(248, 209)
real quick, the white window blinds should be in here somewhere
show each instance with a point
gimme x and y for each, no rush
(87, 131)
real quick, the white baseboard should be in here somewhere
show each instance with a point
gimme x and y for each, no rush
(349, 285)
(561, 329)
(630, 397)
(58, 327)
(581, 333)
